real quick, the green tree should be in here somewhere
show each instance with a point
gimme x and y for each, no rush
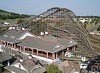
(2, 30)
(85, 24)
(52, 69)
(20, 21)
(36, 28)
(0, 69)
(8, 15)
(98, 29)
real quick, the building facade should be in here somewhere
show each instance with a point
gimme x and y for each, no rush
(45, 46)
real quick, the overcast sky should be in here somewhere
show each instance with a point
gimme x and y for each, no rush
(35, 7)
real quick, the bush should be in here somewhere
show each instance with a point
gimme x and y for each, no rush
(98, 29)
(52, 69)
(1, 69)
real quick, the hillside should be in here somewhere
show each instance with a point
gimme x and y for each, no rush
(10, 15)
(2, 11)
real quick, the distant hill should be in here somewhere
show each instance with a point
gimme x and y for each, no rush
(2, 11)
(11, 15)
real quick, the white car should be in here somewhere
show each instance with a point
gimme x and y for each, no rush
(76, 72)
(83, 66)
(96, 72)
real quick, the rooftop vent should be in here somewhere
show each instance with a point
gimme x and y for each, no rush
(42, 33)
(5, 35)
(11, 28)
(12, 37)
(46, 32)
(57, 46)
(71, 41)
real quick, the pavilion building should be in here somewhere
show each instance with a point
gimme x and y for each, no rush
(46, 46)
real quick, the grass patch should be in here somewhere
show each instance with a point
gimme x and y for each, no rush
(89, 26)
(6, 71)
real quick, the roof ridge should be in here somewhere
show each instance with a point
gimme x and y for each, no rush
(41, 39)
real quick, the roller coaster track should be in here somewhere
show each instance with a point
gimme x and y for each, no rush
(11, 25)
(62, 21)
(39, 17)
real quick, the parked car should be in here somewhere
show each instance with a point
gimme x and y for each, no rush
(83, 66)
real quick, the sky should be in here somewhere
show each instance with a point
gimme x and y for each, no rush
(36, 7)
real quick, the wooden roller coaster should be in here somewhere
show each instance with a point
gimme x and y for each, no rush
(62, 22)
